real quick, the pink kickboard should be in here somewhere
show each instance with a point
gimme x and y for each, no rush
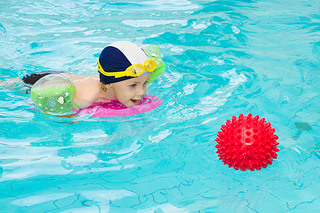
(114, 108)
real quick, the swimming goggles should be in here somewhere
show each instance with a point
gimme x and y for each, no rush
(134, 70)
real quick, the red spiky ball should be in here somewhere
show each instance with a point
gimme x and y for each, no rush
(247, 143)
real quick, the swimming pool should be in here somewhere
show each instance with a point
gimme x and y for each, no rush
(223, 58)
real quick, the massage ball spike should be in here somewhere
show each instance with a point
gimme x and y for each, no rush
(247, 143)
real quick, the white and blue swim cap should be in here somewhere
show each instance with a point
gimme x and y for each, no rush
(117, 57)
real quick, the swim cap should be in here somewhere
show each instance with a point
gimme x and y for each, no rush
(117, 57)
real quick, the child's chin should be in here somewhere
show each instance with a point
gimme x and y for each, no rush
(131, 104)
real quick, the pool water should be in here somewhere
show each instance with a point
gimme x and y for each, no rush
(223, 58)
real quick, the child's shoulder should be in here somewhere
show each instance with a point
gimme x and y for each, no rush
(87, 88)
(82, 78)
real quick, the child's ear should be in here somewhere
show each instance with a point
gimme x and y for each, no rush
(105, 87)
(108, 86)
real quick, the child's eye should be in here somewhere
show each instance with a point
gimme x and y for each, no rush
(133, 85)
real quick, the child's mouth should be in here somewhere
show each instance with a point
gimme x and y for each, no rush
(135, 102)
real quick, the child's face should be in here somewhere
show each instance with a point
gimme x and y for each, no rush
(131, 91)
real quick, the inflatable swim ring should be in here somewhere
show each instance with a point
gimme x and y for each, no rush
(54, 95)
(153, 52)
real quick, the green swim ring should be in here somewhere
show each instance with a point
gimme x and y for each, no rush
(54, 94)
(153, 52)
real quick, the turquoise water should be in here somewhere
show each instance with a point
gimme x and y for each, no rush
(223, 58)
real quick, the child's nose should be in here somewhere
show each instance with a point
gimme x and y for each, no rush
(142, 91)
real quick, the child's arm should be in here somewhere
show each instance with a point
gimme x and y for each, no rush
(87, 89)
(12, 83)
(31, 79)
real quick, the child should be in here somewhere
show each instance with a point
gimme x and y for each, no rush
(124, 71)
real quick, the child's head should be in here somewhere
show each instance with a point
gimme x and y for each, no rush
(124, 68)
